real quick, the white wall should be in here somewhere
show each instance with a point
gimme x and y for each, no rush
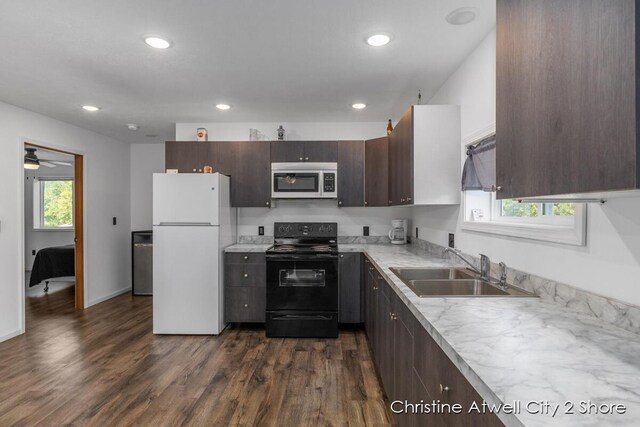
(350, 220)
(608, 265)
(149, 158)
(294, 131)
(146, 159)
(107, 265)
(34, 240)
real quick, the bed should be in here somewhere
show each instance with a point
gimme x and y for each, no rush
(57, 261)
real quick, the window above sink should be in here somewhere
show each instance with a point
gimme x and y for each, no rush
(563, 223)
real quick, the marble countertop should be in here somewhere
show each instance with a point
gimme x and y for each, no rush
(523, 349)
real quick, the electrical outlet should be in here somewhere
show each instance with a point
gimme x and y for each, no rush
(260, 230)
(33, 251)
(365, 230)
(452, 241)
(115, 221)
(416, 232)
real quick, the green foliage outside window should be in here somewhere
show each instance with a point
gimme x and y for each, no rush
(57, 203)
(512, 208)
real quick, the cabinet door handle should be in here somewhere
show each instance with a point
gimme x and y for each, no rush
(444, 389)
(300, 158)
(340, 202)
(366, 203)
(246, 305)
(194, 170)
(341, 256)
(245, 257)
(409, 199)
(390, 202)
(496, 188)
(268, 203)
(306, 158)
(246, 274)
(401, 200)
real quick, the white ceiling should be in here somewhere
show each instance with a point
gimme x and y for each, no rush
(276, 60)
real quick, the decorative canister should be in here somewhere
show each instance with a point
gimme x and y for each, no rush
(202, 134)
(207, 169)
(280, 133)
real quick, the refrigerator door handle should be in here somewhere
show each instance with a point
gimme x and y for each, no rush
(185, 224)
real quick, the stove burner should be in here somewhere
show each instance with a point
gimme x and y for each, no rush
(321, 248)
(284, 248)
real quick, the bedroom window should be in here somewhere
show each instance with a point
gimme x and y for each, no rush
(53, 203)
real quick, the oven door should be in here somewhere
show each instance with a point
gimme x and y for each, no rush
(302, 283)
(296, 184)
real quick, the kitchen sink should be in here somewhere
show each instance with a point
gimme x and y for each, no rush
(433, 273)
(453, 282)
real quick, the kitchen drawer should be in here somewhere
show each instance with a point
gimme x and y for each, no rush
(245, 304)
(245, 275)
(245, 258)
(444, 381)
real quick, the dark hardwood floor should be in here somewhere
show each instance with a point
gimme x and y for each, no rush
(103, 366)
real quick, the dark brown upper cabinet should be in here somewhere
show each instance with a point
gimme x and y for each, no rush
(376, 186)
(304, 151)
(350, 173)
(567, 97)
(401, 161)
(246, 162)
(187, 156)
(425, 152)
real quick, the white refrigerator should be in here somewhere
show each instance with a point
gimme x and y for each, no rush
(192, 224)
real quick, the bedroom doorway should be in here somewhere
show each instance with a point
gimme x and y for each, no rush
(53, 227)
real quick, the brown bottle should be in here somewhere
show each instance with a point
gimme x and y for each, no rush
(389, 128)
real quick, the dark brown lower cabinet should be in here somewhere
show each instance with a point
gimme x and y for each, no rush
(245, 304)
(446, 383)
(245, 292)
(350, 266)
(412, 366)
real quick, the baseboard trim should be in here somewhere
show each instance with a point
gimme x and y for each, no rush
(106, 297)
(11, 335)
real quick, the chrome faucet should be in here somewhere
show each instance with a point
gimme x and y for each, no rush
(485, 263)
(503, 275)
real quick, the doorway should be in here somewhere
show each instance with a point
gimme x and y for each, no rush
(53, 226)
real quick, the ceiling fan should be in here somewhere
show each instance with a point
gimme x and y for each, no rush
(31, 160)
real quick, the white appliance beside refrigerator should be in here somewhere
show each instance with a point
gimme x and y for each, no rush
(192, 224)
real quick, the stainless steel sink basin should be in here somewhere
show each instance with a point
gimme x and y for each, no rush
(453, 282)
(433, 273)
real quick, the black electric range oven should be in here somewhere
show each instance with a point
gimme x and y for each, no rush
(302, 281)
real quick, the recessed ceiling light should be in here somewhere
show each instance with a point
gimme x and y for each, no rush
(378, 40)
(462, 16)
(157, 42)
(359, 106)
(90, 108)
(223, 106)
(132, 126)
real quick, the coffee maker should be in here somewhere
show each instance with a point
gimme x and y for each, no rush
(398, 232)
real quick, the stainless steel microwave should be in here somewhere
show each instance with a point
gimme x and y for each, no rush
(304, 180)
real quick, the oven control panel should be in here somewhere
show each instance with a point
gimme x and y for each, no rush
(329, 182)
(305, 229)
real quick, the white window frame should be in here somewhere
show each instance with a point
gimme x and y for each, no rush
(38, 204)
(546, 228)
